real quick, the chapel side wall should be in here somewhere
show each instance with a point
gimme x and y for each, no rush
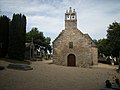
(58, 51)
(95, 55)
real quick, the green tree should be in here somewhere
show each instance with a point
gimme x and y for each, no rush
(17, 36)
(47, 44)
(113, 37)
(111, 45)
(38, 39)
(103, 47)
(4, 34)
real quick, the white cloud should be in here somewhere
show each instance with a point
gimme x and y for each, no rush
(48, 15)
(45, 23)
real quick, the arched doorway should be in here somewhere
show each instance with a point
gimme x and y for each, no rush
(71, 60)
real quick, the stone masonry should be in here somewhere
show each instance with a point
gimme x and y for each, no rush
(72, 47)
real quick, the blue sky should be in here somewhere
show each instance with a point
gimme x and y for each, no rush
(93, 16)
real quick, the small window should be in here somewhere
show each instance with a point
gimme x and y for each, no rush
(70, 44)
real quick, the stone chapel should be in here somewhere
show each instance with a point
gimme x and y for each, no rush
(72, 47)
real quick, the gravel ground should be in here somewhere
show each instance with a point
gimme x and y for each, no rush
(47, 76)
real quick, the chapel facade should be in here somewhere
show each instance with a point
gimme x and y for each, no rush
(72, 47)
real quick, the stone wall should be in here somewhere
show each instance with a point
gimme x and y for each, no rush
(82, 48)
(95, 55)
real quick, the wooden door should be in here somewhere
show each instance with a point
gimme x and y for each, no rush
(71, 60)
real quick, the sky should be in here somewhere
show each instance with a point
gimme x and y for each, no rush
(93, 16)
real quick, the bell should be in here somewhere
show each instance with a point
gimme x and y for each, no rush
(68, 16)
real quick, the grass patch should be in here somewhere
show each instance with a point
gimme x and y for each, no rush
(15, 61)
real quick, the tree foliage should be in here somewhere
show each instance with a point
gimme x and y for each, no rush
(113, 37)
(38, 39)
(47, 44)
(4, 34)
(17, 36)
(103, 47)
(111, 45)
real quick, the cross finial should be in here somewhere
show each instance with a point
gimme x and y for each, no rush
(73, 10)
(70, 9)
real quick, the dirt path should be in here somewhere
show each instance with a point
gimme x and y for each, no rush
(47, 76)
